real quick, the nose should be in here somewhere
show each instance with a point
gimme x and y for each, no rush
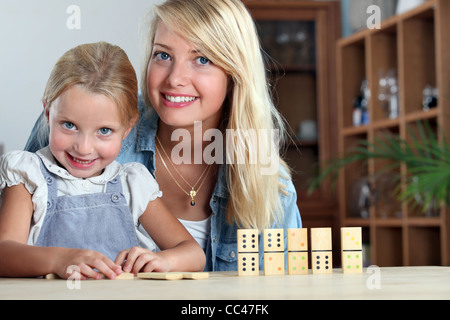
(83, 144)
(179, 75)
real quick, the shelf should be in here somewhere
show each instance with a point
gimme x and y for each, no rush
(422, 115)
(356, 130)
(424, 222)
(415, 48)
(357, 222)
(394, 222)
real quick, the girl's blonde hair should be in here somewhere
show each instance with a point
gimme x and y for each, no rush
(225, 33)
(100, 68)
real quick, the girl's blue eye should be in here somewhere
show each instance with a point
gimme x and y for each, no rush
(104, 131)
(203, 60)
(69, 125)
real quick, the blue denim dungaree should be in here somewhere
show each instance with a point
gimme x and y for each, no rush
(98, 221)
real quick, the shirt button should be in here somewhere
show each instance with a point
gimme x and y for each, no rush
(232, 254)
(115, 198)
(215, 239)
(214, 199)
(49, 180)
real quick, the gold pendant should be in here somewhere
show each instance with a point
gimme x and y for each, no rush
(193, 193)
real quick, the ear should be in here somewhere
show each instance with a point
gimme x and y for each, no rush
(46, 109)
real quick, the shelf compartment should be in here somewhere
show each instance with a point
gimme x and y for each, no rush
(356, 183)
(417, 50)
(382, 56)
(352, 60)
(386, 175)
(287, 92)
(389, 246)
(303, 162)
(415, 136)
(424, 246)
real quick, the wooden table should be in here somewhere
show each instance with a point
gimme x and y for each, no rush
(372, 284)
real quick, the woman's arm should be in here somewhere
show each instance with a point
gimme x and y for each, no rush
(22, 260)
(179, 251)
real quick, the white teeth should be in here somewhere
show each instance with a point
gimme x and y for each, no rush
(179, 99)
(81, 162)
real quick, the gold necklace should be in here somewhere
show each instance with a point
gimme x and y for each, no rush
(192, 193)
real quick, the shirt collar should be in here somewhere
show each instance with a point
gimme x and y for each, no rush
(146, 128)
(109, 173)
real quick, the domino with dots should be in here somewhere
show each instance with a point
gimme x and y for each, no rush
(321, 251)
(351, 250)
(274, 252)
(248, 252)
(297, 250)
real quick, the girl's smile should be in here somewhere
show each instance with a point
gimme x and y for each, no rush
(80, 163)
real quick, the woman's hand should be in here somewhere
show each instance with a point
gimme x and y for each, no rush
(138, 259)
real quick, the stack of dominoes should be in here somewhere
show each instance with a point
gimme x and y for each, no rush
(297, 251)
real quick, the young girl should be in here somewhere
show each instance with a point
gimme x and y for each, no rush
(71, 204)
(205, 66)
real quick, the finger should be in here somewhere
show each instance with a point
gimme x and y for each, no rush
(106, 267)
(121, 257)
(144, 263)
(87, 271)
(74, 273)
(133, 254)
(155, 263)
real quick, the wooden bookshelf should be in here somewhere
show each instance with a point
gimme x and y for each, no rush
(416, 45)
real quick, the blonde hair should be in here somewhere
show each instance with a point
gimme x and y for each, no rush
(99, 68)
(225, 33)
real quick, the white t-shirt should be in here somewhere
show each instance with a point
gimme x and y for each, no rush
(199, 230)
(139, 186)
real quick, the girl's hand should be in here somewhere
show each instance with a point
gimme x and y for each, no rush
(138, 259)
(80, 264)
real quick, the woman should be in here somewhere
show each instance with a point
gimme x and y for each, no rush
(205, 74)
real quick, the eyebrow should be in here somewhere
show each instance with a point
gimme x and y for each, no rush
(194, 51)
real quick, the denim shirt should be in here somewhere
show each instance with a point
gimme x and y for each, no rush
(221, 248)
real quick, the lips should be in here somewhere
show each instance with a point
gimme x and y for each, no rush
(177, 100)
(80, 163)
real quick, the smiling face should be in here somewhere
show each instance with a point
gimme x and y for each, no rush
(183, 85)
(85, 131)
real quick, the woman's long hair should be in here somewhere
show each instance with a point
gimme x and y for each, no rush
(225, 33)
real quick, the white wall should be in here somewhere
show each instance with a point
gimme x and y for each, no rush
(34, 34)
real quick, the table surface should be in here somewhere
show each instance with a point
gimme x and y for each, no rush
(372, 284)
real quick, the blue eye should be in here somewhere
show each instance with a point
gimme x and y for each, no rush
(69, 125)
(104, 131)
(203, 60)
(162, 55)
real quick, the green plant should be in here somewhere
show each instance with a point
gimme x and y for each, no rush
(426, 158)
